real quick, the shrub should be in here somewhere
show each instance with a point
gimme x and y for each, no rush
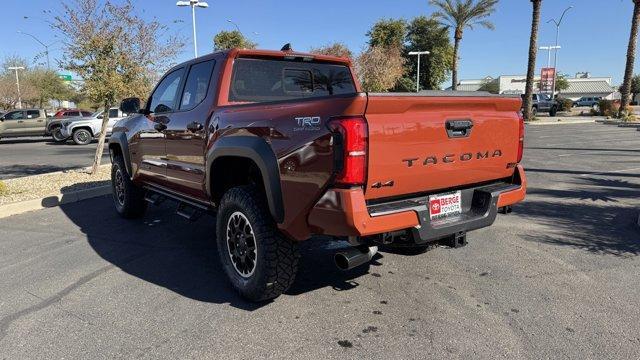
(565, 104)
(4, 190)
(607, 108)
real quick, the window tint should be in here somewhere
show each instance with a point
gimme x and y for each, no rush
(259, 80)
(32, 114)
(113, 113)
(86, 113)
(298, 82)
(15, 115)
(197, 85)
(163, 98)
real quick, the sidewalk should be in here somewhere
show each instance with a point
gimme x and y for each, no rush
(557, 120)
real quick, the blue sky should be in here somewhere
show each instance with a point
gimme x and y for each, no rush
(593, 36)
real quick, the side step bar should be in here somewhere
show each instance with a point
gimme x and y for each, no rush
(188, 209)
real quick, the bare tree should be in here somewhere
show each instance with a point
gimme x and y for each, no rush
(114, 50)
(379, 68)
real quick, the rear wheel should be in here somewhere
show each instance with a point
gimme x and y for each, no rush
(82, 136)
(56, 134)
(534, 111)
(260, 262)
(128, 198)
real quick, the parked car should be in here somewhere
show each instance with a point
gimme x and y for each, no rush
(67, 113)
(399, 169)
(83, 130)
(587, 101)
(543, 103)
(24, 122)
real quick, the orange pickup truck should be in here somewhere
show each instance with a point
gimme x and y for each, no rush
(281, 145)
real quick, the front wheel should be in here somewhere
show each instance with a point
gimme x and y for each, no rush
(553, 111)
(82, 137)
(128, 198)
(260, 262)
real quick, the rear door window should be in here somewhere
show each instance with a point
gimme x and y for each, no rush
(263, 80)
(197, 85)
(33, 114)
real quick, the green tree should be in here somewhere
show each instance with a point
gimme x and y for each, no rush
(533, 52)
(336, 49)
(114, 50)
(426, 34)
(225, 40)
(47, 85)
(631, 57)
(561, 83)
(460, 15)
(635, 85)
(492, 86)
(388, 33)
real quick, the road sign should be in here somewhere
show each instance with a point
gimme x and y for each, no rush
(546, 79)
(64, 77)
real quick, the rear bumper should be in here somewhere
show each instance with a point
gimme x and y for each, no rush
(344, 212)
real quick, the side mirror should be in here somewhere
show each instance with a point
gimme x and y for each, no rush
(130, 105)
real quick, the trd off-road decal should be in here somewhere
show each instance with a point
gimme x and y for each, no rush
(307, 123)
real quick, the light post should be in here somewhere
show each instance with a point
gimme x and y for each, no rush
(555, 56)
(234, 24)
(194, 4)
(16, 68)
(418, 53)
(550, 48)
(46, 47)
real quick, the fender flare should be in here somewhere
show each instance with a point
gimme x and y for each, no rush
(120, 139)
(260, 152)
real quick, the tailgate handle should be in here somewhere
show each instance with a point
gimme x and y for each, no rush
(459, 128)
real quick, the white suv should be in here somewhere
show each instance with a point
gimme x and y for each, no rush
(83, 130)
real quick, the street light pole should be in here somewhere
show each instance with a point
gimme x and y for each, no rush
(418, 53)
(549, 56)
(16, 68)
(234, 24)
(194, 4)
(46, 47)
(555, 56)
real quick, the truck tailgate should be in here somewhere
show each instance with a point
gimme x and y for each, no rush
(421, 143)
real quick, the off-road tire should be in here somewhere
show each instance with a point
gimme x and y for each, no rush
(128, 198)
(56, 135)
(534, 111)
(276, 257)
(82, 137)
(553, 111)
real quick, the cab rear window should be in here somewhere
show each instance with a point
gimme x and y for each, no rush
(262, 80)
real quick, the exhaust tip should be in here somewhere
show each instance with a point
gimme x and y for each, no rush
(355, 256)
(341, 261)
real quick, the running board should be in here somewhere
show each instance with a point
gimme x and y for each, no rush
(154, 198)
(188, 212)
(187, 208)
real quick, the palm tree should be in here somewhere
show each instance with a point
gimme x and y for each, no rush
(631, 57)
(533, 53)
(462, 14)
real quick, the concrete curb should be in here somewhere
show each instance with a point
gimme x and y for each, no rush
(52, 201)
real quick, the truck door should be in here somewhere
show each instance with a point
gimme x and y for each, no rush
(151, 138)
(186, 133)
(34, 124)
(12, 125)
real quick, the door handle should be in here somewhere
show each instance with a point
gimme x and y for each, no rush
(20, 121)
(195, 126)
(160, 127)
(458, 128)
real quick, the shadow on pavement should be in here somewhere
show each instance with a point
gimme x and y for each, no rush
(14, 171)
(581, 149)
(603, 229)
(166, 250)
(24, 140)
(577, 172)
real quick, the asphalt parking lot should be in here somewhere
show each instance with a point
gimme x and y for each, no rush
(557, 278)
(37, 155)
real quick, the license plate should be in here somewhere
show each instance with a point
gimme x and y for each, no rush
(445, 205)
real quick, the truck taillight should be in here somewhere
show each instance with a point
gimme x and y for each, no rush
(350, 144)
(520, 137)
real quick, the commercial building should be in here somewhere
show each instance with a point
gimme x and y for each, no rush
(583, 84)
